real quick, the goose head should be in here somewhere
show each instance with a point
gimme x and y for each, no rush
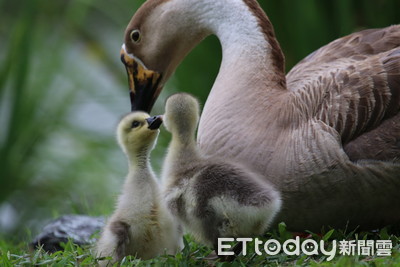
(137, 133)
(181, 115)
(158, 37)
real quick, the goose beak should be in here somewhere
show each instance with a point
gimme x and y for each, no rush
(154, 122)
(144, 84)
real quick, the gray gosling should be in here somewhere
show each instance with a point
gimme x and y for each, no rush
(212, 197)
(141, 225)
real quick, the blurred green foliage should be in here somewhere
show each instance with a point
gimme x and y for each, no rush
(63, 90)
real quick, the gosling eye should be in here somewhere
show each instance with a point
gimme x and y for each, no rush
(135, 124)
(135, 36)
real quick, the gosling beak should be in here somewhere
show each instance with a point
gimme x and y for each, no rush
(144, 84)
(154, 122)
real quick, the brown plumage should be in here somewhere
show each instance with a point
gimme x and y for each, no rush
(327, 136)
(356, 82)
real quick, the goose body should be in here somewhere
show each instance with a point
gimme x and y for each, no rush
(326, 135)
(210, 196)
(141, 226)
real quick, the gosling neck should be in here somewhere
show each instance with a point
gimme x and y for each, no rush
(184, 144)
(140, 160)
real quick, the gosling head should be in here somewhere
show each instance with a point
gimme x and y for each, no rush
(137, 133)
(181, 114)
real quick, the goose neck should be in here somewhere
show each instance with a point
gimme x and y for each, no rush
(249, 46)
(252, 68)
(250, 85)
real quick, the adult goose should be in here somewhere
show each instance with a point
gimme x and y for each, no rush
(327, 135)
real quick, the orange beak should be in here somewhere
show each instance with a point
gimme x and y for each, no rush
(144, 84)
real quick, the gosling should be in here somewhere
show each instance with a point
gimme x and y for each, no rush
(141, 225)
(211, 197)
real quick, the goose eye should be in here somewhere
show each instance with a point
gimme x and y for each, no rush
(135, 36)
(135, 124)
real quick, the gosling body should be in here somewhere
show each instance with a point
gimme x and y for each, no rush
(141, 225)
(211, 197)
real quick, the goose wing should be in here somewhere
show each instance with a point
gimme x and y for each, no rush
(353, 84)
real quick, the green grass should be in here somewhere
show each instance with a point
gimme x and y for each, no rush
(194, 254)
